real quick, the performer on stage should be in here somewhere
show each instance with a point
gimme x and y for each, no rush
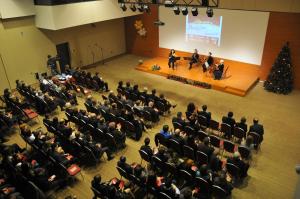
(218, 72)
(208, 63)
(194, 59)
(172, 58)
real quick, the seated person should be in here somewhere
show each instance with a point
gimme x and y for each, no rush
(242, 124)
(102, 187)
(119, 136)
(205, 148)
(208, 63)
(206, 114)
(165, 102)
(97, 148)
(169, 188)
(248, 143)
(218, 72)
(257, 128)
(222, 182)
(179, 136)
(165, 132)
(179, 119)
(146, 147)
(102, 84)
(236, 160)
(126, 167)
(161, 154)
(194, 58)
(89, 101)
(153, 111)
(191, 109)
(230, 121)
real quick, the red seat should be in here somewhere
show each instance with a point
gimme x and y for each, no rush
(74, 169)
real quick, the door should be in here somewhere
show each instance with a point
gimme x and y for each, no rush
(3, 77)
(63, 53)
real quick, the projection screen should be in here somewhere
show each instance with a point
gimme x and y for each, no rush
(230, 34)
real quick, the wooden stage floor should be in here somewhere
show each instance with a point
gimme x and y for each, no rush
(240, 77)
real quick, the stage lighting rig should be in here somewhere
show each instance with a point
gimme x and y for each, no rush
(144, 5)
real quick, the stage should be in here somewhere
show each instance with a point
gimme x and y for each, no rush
(240, 77)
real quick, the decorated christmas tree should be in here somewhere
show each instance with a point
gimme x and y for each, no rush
(280, 79)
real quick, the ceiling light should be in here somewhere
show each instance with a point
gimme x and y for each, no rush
(141, 8)
(209, 12)
(123, 7)
(194, 11)
(146, 8)
(184, 10)
(133, 8)
(176, 10)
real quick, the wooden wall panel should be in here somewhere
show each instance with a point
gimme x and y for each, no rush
(144, 46)
(282, 27)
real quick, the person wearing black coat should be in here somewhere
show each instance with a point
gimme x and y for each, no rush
(146, 147)
(257, 128)
(194, 58)
(126, 167)
(230, 121)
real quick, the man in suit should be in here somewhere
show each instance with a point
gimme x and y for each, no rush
(177, 137)
(153, 111)
(257, 128)
(194, 59)
(179, 119)
(102, 84)
(206, 114)
(208, 63)
(122, 164)
(242, 124)
(99, 186)
(230, 121)
(236, 160)
(146, 147)
(205, 148)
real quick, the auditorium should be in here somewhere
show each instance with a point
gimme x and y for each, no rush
(146, 99)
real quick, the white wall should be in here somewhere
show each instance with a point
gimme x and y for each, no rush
(16, 8)
(243, 34)
(70, 15)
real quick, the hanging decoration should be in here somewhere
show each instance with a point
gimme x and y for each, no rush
(139, 26)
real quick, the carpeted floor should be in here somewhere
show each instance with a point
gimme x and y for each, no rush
(271, 175)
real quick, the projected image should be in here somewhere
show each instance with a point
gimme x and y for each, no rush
(204, 29)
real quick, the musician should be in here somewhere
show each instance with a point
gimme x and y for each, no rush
(172, 58)
(218, 72)
(208, 63)
(194, 59)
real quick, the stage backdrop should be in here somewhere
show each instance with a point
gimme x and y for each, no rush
(230, 34)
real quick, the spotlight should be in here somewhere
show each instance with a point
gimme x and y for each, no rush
(123, 7)
(133, 8)
(194, 11)
(184, 10)
(169, 3)
(176, 10)
(209, 12)
(141, 8)
(146, 8)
